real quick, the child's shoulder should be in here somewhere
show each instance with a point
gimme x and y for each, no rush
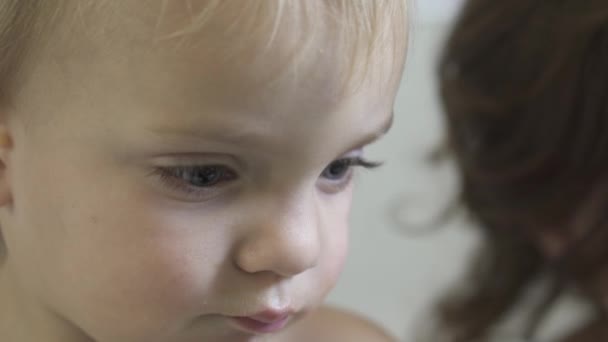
(328, 324)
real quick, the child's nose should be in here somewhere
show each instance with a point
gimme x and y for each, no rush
(284, 240)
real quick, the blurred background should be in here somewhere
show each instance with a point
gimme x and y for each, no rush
(399, 264)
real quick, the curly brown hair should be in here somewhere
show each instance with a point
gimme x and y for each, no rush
(524, 84)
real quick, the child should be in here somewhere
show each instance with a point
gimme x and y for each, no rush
(178, 171)
(524, 86)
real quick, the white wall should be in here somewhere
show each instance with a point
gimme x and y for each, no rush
(435, 11)
(391, 276)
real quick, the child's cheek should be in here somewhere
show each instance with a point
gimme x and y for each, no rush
(338, 254)
(149, 267)
(335, 233)
(341, 238)
(178, 266)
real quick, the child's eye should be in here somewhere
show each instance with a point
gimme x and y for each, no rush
(337, 169)
(197, 182)
(201, 176)
(338, 174)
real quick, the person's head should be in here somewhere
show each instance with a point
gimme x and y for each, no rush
(524, 87)
(168, 165)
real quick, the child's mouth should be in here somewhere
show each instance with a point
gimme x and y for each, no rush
(264, 322)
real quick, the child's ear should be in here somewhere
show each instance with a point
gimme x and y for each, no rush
(6, 144)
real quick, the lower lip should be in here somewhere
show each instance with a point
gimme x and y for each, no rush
(257, 327)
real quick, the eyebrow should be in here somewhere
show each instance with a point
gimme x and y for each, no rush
(384, 128)
(245, 135)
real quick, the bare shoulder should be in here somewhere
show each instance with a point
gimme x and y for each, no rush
(329, 324)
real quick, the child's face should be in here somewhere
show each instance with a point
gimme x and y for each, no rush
(157, 193)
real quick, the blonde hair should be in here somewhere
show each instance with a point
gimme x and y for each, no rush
(363, 26)
(17, 25)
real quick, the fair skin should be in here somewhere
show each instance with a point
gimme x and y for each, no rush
(331, 325)
(156, 196)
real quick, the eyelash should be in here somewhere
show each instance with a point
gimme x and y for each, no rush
(341, 183)
(174, 177)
